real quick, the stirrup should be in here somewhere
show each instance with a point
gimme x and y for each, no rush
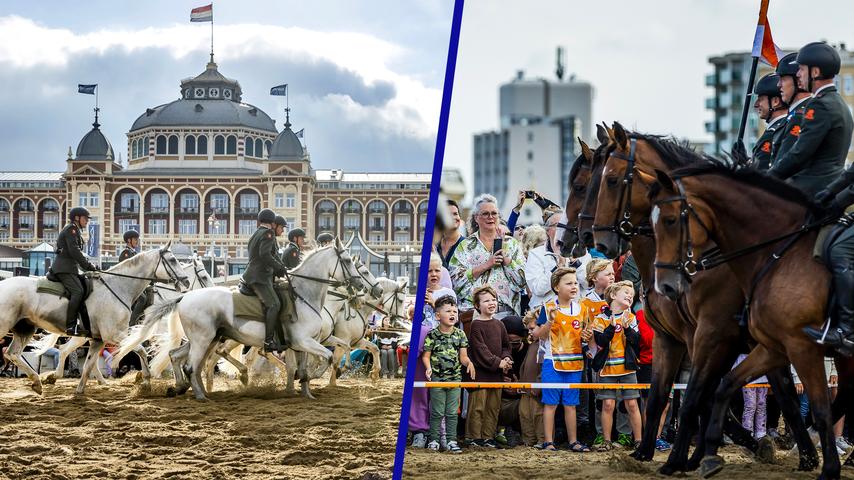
(78, 331)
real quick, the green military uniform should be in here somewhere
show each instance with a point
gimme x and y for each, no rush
(126, 253)
(764, 147)
(292, 256)
(69, 256)
(264, 265)
(789, 132)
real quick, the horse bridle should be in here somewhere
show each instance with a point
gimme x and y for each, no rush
(686, 264)
(623, 226)
(152, 279)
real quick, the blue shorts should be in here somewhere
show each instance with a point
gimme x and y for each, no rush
(563, 396)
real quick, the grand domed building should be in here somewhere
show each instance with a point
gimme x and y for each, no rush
(198, 170)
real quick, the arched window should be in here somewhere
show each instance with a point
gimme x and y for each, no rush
(143, 149)
(173, 145)
(202, 145)
(269, 146)
(231, 145)
(250, 146)
(161, 145)
(133, 149)
(259, 148)
(190, 145)
(219, 145)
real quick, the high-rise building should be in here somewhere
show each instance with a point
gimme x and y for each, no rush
(729, 84)
(536, 145)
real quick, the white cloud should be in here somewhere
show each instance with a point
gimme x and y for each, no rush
(25, 44)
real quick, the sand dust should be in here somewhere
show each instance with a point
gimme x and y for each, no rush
(118, 432)
(525, 462)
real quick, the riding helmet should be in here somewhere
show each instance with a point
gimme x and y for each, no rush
(788, 65)
(821, 55)
(325, 238)
(79, 212)
(767, 86)
(295, 233)
(130, 234)
(280, 220)
(266, 216)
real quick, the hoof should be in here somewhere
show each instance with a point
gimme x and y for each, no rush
(244, 379)
(807, 463)
(692, 465)
(710, 466)
(670, 469)
(139, 378)
(49, 379)
(765, 451)
(37, 387)
(171, 392)
(641, 456)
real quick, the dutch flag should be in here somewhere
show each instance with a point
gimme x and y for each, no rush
(764, 47)
(202, 14)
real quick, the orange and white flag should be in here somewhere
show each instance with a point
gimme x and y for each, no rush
(763, 45)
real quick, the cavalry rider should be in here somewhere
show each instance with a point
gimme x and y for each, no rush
(818, 155)
(325, 239)
(835, 198)
(771, 108)
(68, 257)
(292, 256)
(795, 97)
(264, 265)
(131, 238)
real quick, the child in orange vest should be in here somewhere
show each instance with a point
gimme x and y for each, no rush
(559, 327)
(616, 333)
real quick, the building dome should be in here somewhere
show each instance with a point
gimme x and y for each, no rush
(209, 99)
(94, 146)
(286, 146)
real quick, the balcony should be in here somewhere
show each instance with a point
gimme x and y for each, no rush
(711, 103)
(188, 210)
(407, 209)
(352, 210)
(326, 210)
(4, 226)
(351, 228)
(217, 211)
(51, 209)
(710, 127)
(25, 226)
(4, 208)
(711, 80)
(326, 226)
(377, 228)
(402, 228)
(248, 210)
(25, 209)
(128, 210)
(157, 210)
(50, 226)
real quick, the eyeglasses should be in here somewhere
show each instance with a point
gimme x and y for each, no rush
(519, 228)
(488, 214)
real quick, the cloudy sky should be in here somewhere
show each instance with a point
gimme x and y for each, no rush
(365, 79)
(647, 60)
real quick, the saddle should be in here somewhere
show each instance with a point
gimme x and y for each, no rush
(51, 285)
(827, 238)
(247, 305)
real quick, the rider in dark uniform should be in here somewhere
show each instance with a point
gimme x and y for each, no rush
(68, 257)
(835, 198)
(146, 298)
(292, 256)
(325, 239)
(795, 97)
(818, 155)
(769, 104)
(264, 265)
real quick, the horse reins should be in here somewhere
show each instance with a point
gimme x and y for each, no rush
(622, 226)
(151, 280)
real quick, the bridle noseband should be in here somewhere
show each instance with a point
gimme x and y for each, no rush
(623, 226)
(686, 264)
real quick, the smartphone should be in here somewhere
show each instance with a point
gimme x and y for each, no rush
(529, 194)
(496, 245)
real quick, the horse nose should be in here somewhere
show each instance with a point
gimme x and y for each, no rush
(669, 291)
(587, 238)
(604, 250)
(376, 291)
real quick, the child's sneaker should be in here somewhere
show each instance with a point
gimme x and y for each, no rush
(501, 438)
(661, 445)
(454, 448)
(489, 443)
(599, 440)
(433, 445)
(625, 440)
(419, 440)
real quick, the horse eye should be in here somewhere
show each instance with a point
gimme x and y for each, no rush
(578, 188)
(670, 221)
(612, 181)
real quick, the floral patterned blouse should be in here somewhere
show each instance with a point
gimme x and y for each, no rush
(508, 281)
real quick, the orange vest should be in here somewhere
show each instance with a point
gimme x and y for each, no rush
(615, 364)
(565, 338)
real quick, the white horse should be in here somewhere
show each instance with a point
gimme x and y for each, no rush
(208, 315)
(23, 309)
(200, 279)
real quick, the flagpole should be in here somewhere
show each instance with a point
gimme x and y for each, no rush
(747, 97)
(212, 59)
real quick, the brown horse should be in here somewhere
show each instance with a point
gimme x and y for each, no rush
(706, 320)
(736, 209)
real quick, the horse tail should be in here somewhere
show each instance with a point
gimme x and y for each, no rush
(142, 332)
(42, 345)
(165, 343)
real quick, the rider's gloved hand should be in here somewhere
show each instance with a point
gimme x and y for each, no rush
(739, 153)
(823, 198)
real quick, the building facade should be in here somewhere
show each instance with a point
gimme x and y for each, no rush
(199, 170)
(728, 83)
(536, 145)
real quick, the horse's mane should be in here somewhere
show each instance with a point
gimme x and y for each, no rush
(749, 176)
(132, 261)
(576, 166)
(673, 153)
(387, 282)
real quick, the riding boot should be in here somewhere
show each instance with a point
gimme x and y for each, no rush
(72, 327)
(840, 338)
(271, 318)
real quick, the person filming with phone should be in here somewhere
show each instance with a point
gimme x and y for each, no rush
(486, 257)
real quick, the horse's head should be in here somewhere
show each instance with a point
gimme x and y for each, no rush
(394, 302)
(375, 291)
(621, 205)
(586, 214)
(200, 274)
(169, 269)
(344, 269)
(680, 225)
(579, 177)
